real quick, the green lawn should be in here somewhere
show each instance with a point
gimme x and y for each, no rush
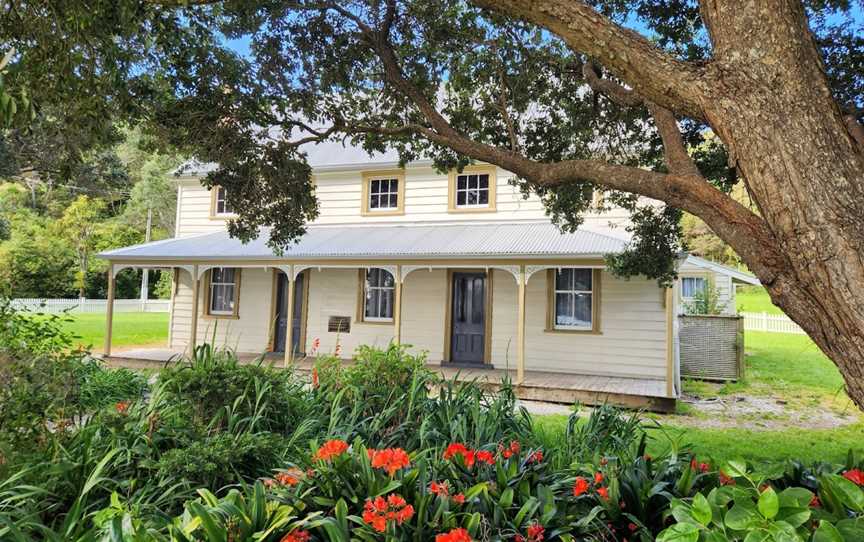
(130, 329)
(754, 299)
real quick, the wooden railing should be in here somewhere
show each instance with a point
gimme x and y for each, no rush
(56, 306)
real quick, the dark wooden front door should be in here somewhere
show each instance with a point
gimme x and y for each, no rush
(282, 313)
(468, 332)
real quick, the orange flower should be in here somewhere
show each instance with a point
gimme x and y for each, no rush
(338, 351)
(122, 407)
(815, 502)
(314, 377)
(289, 478)
(459, 498)
(296, 536)
(598, 478)
(855, 475)
(442, 489)
(379, 511)
(330, 449)
(603, 492)
(536, 457)
(536, 532)
(457, 448)
(456, 535)
(485, 456)
(391, 459)
(580, 487)
(725, 480)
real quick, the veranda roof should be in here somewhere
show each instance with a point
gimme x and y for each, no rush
(534, 240)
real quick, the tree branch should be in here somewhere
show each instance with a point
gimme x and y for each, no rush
(678, 160)
(652, 73)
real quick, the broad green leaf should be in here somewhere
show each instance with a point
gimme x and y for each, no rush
(741, 518)
(795, 497)
(768, 503)
(757, 535)
(827, 533)
(679, 532)
(849, 494)
(701, 510)
(851, 529)
(736, 469)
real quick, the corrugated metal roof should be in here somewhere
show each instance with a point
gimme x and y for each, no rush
(397, 241)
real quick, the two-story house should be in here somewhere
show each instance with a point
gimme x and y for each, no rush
(459, 265)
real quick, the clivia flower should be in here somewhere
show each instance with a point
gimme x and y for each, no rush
(603, 492)
(598, 478)
(459, 498)
(456, 535)
(815, 502)
(379, 511)
(536, 532)
(485, 456)
(289, 478)
(855, 475)
(536, 457)
(330, 449)
(122, 407)
(509, 452)
(390, 459)
(580, 487)
(442, 489)
(457, 448)
(338, 351)
(296, 536)
(314, 377)
(632, 527)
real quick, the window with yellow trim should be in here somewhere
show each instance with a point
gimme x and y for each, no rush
(220, 205)
(223, 291)
(573, 299)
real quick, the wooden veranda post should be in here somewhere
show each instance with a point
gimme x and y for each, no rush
(397, 306)
(193, 333)
(109, 311)
(520, 329)
(289, 324)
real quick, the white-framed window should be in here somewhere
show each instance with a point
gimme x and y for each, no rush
(379, 289)
(220, 203)
(690, 286)
(383, 194)
(472, 190)
(222, 298)
(573, 299)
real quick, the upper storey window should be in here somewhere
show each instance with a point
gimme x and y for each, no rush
(219, 205)
(473, 190)
(383, 193)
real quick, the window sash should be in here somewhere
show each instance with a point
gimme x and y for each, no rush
(223, 291)
(573, 299)
(222, 205)
(383, 194)
(379, 295)
(472, 190)
(690, 286)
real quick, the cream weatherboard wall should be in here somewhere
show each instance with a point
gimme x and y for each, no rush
(426, 200)
(631, 341)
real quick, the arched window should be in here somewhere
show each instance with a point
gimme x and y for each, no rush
(378, 288)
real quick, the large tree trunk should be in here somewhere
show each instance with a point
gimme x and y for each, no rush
(771, 105)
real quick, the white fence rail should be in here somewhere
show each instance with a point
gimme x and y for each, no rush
(774, 323)
(55, 306)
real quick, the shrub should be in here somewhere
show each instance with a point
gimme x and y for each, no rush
(100, 387)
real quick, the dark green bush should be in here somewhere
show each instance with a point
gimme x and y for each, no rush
(100, 387)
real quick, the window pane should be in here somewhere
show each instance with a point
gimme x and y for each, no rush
(375, 186)
(563, 306)
(394, 201)
(461, 182)
(372, 303)
(386, 279)
(461, 198)
(472, 181)
(484, 181)
(564, 279)
(374, 203)
(394, 185)
(582, 314)
(484, 197)
(581, 279)
(386, 304)
(472, 197)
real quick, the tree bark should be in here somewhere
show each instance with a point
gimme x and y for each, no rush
(769, 101)
(766, 96)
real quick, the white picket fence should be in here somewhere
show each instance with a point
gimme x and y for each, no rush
(55, 306)
(774, 323)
